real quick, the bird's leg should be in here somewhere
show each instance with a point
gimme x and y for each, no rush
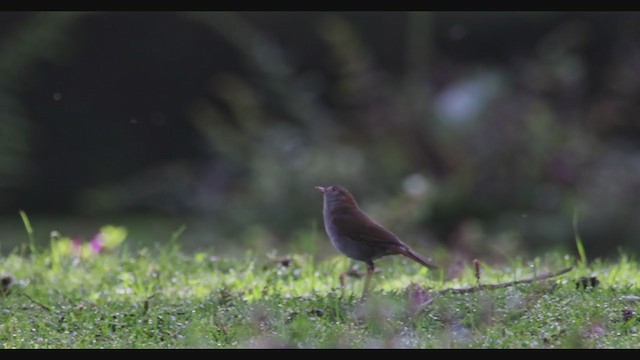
(370, 268)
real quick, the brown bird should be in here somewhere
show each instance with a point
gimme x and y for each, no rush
(357, 236)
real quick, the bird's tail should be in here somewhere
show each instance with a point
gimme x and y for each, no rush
(408, 252)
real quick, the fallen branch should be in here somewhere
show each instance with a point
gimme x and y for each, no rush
(503, 285)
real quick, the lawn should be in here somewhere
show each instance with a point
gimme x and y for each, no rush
(103, 294)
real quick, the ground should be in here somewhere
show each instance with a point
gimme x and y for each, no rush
(70, 295)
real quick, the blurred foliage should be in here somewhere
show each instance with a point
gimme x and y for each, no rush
(107, 239)
(485, 131)
(41, 38)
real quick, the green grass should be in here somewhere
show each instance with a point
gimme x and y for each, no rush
(165, 298)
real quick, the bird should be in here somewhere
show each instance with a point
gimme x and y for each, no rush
(356, 235)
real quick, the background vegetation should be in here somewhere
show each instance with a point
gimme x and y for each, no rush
(508, 137)
(480, 133)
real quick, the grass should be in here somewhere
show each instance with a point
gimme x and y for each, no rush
(66, 296)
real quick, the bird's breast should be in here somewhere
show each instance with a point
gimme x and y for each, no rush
(346, 243)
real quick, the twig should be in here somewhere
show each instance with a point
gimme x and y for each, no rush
(35, 302)
(506, 284)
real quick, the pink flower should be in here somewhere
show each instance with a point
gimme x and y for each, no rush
(97, 243)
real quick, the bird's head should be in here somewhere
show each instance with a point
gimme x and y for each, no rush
(337, 196)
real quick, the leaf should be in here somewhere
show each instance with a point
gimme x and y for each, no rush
(113, 236)
(61, 248)
(199, 257)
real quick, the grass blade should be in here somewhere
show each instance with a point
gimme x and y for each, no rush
(27, 226)
(579, 245)
(175, 236)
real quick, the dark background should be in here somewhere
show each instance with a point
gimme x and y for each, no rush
(480, 133)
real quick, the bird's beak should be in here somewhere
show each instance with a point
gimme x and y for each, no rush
(321, 189)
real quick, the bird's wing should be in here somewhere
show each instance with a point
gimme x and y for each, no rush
(360, 227)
